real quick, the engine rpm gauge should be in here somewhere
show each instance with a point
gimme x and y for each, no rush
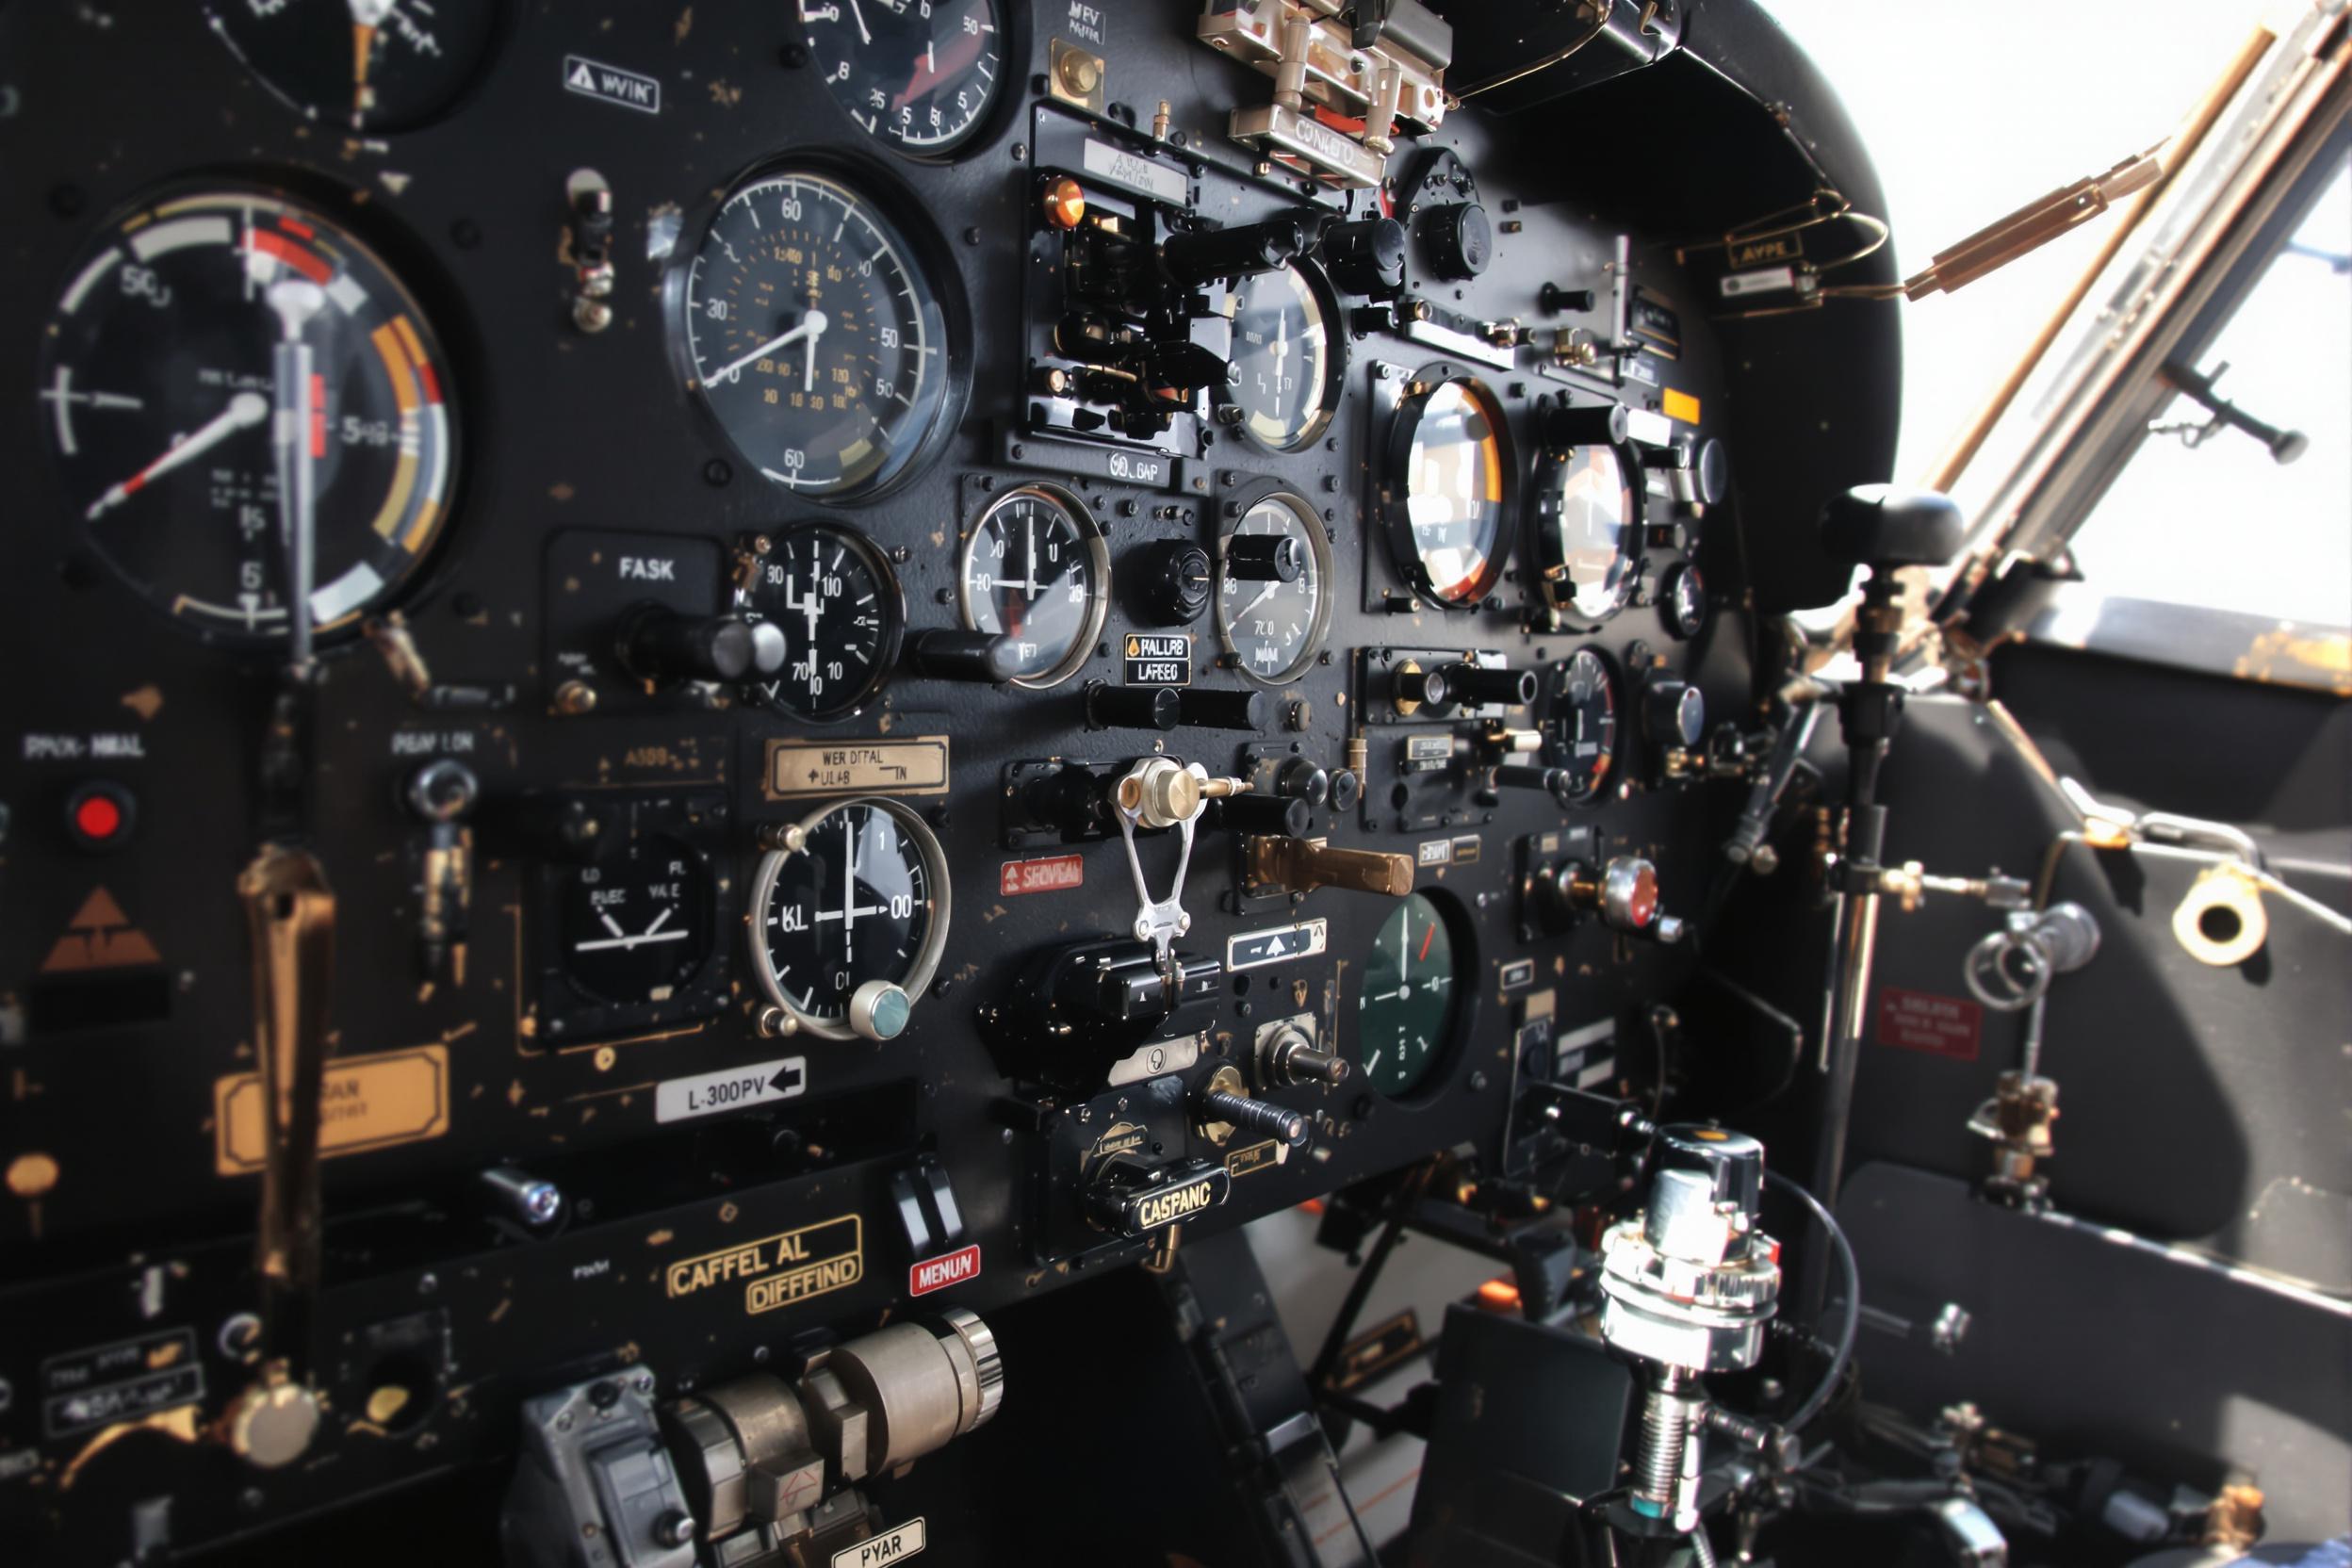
(1580, 722)
(1448, 491)
(1034, 569)
(1285, 357)
(833, 595)
(848, 919)
(159, 371)
(1410, 999)
(1273, 589)
(374, 65)
(814, 335)
(918, 74)
(1587, 528)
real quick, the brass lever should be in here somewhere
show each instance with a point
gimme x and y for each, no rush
(1302, 865)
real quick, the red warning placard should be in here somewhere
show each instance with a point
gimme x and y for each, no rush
(1922, 1020)
(1053, 874)
(949, 1268)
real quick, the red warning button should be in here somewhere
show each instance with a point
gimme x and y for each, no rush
(98, 815)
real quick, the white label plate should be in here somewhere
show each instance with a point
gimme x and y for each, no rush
(892, 1545)
(709, 1093)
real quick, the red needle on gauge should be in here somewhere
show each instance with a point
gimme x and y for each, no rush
(245, 410)
(929, 73)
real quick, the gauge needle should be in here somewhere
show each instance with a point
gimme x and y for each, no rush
(1029, 560)
(859, 17)
(1263, 594)
(296, 302)
(810, 326)
(812, 608)
(245, 410)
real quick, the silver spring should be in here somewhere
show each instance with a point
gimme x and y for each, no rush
(1665, 1431)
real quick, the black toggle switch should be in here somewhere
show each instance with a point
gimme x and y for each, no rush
(660, 644)
(1175, 580)
(1556, 782)
(1365, 257)
(1478, 683)
(1592, 424)
(1133, 707)
(1209, 707)
(1264, 814)
(984, 658)
(1555, 299)
(1265, 557)
(1202, 255)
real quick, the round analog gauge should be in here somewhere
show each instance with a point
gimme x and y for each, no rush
(1448, 491)
(833, 595)
(1588, 529)
(848, 919)
(1682, 600)
(635, 929)
(181, 328)
(1273, 589)
(373, 65)
(1411, 997)
(916, 74)
(1581, 722)
(1035, 570)
(815, 336)
(1285, 357)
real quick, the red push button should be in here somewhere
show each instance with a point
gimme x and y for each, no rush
(98, 815)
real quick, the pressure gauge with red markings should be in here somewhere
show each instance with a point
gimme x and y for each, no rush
(159, 382)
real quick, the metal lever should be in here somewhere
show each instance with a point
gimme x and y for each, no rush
(1160, 793)
(291, 912)
(1302, 865)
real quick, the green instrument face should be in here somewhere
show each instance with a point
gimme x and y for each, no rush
(1406, 1012)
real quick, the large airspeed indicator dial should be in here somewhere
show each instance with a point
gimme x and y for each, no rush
(815, 336)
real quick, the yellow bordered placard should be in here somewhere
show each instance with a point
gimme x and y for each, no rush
(780, 1270)
(376, 1101)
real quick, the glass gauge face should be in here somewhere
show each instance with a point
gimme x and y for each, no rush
(373, 65)
(918, 74)
(1683, 599)
(1454, 472)
(635, 928)
(863, 899)
(833, 595)
(1286, 356)
(1412, 994)
(815, 336)
(1581, 722)
(1034, 570)
(1274, 626)
(158, 372)
(1587, 530)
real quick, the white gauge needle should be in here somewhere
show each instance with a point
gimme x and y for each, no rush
(611, 925)
(245, 410)
(296, 302)
(810, 326)
(1029, 559)
(1263, 594)
(859, 17)
(624, 943)
(370, 13)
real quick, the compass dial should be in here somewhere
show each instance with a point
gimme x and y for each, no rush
(815, 336)
(160, 368)
(849, 919)
(919, 75)
(832, 594)
(1410, 999)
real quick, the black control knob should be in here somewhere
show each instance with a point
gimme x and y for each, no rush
(1415, 687)
(1346, 789)
(1365, 257)
(1175, 578)
(1587, 425)
(1479, 683)
(1201, 256)
(1213, 708)
(1217, 1102)
(1555, 299)
(1674, 713)
(1457, 240)
(1265, 557)
(1264, 815)
(984, 658)
(1133, 707)
(1301, 778)
(659, 643)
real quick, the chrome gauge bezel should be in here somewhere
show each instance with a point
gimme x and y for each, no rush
(1099, 560)
(931, 267)
(893, 604)
(1394, 489)
(927, 959)
(1333, 382)
(1545, 553)
(1319, 548)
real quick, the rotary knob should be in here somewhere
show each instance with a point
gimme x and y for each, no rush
(1674, 713)
(660, 644)
(1175, 582)
(1457, 240)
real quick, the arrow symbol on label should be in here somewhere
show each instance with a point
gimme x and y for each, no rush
(786, 1078)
